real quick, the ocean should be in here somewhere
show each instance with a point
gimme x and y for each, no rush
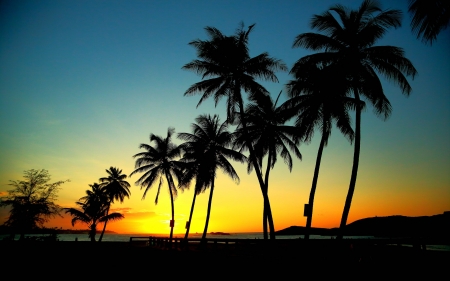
(112, 237)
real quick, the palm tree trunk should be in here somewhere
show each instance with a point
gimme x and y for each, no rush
(208, 213)
(266, 185)
(257, 171)
(313, 186)
(92, 232)
(190, 215)
(104, 225)
(171, 184)
(351, 188)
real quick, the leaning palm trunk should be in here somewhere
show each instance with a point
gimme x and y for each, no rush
(205, 231)
(190, 216)
(313, 187)
(351, 189)
(104, 225)
(267, 210)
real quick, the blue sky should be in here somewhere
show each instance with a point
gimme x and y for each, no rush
(83, 83)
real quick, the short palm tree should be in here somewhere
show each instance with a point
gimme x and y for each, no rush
(116, 188)
(227, 68)
(208, 149)
(429, 18)
(318, 97)
(270, 135)
(349, 43)
(93, 210)
(158, 162)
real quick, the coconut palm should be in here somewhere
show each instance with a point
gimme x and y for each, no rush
(208, 149)
(269, 135)
(116, 188)
(318, 96)
(159, 162)
(429, 18)
(92, 210)
(348, 42)
(227, 68)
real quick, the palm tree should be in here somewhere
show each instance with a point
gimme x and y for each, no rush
(116, 188)
(269, 136)
(208, 148)
(349, 43)
(318, 97)
(429, 18)
(226, 61)
(158, 162)
(93, 210)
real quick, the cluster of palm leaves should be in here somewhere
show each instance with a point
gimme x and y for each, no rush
(342, 76)
(94, 207)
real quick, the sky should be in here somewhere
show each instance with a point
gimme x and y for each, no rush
(84, 83)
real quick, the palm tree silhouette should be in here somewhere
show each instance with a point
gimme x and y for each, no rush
(269, 135)
(208, 148)
(349, 43)
(116, 188)
(318, 96)
(429, 18)
(226, 61)
(157, 162)
(93, 210)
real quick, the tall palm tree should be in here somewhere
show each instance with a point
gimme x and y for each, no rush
(116, 188)
(429, 18)
(349, 43)
(208, 148)
(269, 135)
(318, 96)
(227, 68)
(159, 162)
(93, 210)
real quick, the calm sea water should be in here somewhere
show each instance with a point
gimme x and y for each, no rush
(241, 235)
(126, 237)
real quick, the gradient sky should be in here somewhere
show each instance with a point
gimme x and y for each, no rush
(83, 83)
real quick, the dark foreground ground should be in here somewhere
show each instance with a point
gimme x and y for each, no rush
(118, 260)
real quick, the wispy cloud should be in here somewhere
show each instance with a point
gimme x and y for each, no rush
(131, 212)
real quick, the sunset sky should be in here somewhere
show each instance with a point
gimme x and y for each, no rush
(83, 83)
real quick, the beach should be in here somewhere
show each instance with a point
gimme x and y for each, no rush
(113, 259)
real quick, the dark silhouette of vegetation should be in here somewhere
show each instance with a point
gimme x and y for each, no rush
(269, 135)
(94, 208)
(158, 162)
(208, 148)
(429, 18)
(227, 68)
(319, 98)
(349, 43)
(31, 202)
(116, 188)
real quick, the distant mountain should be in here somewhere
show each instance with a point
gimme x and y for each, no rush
(437, 226)
(300, 230)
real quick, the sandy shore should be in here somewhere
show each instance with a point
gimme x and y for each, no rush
(111, 259)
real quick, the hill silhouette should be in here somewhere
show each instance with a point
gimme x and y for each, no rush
(436, 226)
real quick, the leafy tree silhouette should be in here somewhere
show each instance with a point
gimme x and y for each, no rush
(31, 202)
